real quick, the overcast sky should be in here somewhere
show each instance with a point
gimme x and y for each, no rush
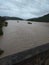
(24, 8)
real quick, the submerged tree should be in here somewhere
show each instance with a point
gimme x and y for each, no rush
(2, 23)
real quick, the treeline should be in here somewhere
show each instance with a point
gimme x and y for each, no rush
(2, 19)
(44, 18)
(10, 18)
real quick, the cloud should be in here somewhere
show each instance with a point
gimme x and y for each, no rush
(24, 8)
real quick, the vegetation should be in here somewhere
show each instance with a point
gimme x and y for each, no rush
(1, 52)
(2, 23)
(44, 18)
(12, 18)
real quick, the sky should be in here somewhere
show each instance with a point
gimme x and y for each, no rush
(24, 8)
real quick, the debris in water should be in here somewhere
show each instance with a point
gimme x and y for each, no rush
(1, 52)
(29, 22)
(17, 21)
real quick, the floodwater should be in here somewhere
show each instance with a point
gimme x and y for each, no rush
(19, 36)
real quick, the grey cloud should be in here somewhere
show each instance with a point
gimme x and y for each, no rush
(24, 8)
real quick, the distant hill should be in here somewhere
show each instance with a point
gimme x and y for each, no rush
(11, 18)
(44, 18)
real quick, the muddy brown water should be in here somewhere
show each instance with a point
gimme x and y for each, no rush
(20, 36)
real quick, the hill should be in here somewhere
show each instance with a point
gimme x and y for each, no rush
(44, 18)
(10, 18)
